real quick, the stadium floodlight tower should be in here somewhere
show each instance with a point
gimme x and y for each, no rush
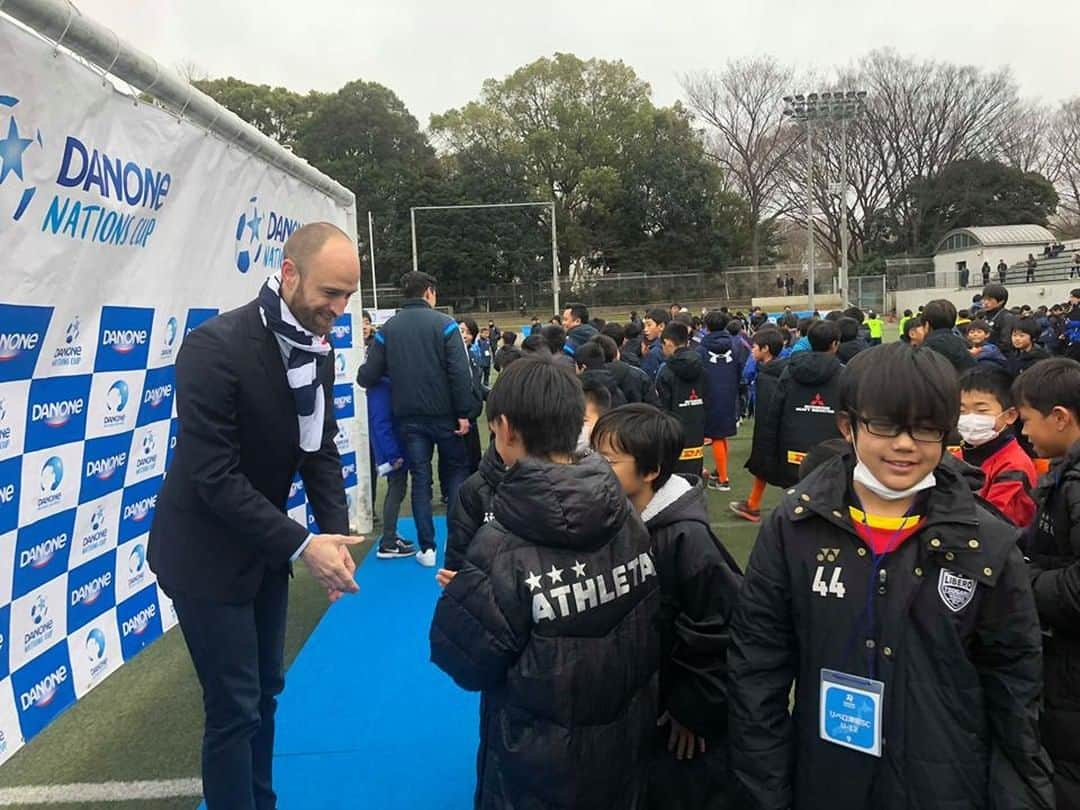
(554, 235)
(842, 106)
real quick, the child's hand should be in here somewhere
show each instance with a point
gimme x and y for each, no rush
(444, 576)
(681, 741)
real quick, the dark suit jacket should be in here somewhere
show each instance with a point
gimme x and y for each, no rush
(220, 519)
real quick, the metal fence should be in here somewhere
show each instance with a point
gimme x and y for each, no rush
(733, 287)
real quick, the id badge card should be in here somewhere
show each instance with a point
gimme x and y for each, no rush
(850, 713)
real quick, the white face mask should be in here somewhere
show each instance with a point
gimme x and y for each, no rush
(583, 439)
(977, 428)
(863, 476)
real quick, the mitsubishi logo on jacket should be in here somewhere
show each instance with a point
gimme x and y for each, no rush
(816, 405)
(587, 592)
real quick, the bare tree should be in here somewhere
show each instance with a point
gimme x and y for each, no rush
(1064, 159)
(743, 108)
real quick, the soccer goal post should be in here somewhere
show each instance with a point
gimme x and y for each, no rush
(554, 235)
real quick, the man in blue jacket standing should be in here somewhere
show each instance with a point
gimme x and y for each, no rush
(432, 395)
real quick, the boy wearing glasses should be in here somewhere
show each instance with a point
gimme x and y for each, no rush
(901, 610)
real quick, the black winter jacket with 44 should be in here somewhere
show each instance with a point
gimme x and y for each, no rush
(553, 617)
(950, 628)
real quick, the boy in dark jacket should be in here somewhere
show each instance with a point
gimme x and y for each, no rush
(900, 608)
(997, 315)
(939, 317)
(987, 416)
(851, 343)
(635, 384)
(803, 412)
(482, 352)
(553, 614)
(386, 447)
(978, 335)
(723, 376)
(1049, 400)
(506, 351)
(680, 389)
(699, 582)
(767, 346)
(652, 351)
(1026, 352)
(470, 511)
(589, 359)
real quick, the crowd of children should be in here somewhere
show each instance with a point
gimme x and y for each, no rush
(904, 633)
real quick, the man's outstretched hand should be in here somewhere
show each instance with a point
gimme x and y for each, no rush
(327, 557)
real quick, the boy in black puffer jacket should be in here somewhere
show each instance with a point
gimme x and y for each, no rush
(553, 614)
(470, 511)
(699, 582)
(802, 411)
(900, 609)
(681, 389)
(1048, 396)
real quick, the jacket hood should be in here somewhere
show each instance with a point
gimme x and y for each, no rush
(492, 468)
(717, 342)
(581, 334)
(773, 369)
(813, 368)
(579, 505)
(681, 498)
(604, 376)
(685, 363)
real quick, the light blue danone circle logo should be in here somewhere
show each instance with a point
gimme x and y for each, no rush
(52, 473)
(117, 398)
(15, 142)
(170, 331)
(95, 645)
(248, 240)
(137, 559)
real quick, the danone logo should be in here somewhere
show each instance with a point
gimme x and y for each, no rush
(343, 401)
(89, 593)
(171, 328)
(347, 470)
(69, 353)
(12, 344)
(105, 468)
(22, 333)
(139, 510)
(138, 623)
(42, 554)
(52, 476)
(42, 693)
(154, 397)
(124, 341)
(57, 414)
(137, 559)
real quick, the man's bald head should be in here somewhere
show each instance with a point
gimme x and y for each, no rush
(320, 272)
(308, 240)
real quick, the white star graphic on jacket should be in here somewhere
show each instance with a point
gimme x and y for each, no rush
(579, 569)
(533, 581)
(555, 574)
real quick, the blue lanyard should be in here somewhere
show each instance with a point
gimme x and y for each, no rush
(879, 574)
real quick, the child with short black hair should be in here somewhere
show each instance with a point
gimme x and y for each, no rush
(597, 403)
(987, 416)
(561, 574)
(699, 581)
(1048, 397)
(998, 316)
(681, 389)
(982, 349)
(899, 607)
(768, 368)
(1026, 350)
(723, 364)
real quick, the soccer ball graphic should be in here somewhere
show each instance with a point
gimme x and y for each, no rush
(248, 244)
(97, 518)
(148, 444)
(39, 610)
(72, 333)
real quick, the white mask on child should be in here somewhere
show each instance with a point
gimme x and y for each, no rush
(863, 476)
(978, 428)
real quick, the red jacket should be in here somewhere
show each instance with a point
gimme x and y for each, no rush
(1010, 477)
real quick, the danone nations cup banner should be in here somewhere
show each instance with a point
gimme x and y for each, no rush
(121, 230)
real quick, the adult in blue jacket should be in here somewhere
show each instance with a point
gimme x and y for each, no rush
(432, 395)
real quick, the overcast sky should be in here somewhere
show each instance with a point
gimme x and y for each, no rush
(435, 54)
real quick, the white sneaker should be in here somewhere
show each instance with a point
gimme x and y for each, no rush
(426, 558)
